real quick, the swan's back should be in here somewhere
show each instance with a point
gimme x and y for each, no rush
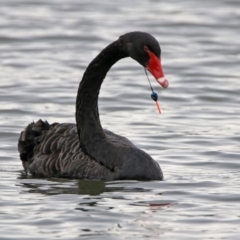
(54, 151)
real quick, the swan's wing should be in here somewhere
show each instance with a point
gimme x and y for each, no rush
(54, 151)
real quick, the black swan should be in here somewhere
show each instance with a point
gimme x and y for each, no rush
(84, 150)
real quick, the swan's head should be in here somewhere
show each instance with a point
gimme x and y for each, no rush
(145, 49)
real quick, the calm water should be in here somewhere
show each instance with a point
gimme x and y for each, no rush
(45, 47)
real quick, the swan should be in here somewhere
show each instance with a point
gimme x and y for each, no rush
(85, 150)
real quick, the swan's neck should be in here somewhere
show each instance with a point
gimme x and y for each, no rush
(90, 131)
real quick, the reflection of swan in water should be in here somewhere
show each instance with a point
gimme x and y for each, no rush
(56, 186)
(63, 186)
(85, 150)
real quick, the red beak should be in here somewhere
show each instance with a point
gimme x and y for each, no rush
(154, 66)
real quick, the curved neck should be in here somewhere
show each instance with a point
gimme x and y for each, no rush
(89, 127)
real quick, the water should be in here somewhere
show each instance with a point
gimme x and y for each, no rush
(45, 47)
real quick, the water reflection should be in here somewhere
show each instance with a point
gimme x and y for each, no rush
(88, 189)
(55, 186)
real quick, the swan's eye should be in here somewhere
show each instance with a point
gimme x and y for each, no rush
(145, 48)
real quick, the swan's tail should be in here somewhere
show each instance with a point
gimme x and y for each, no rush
(28, 138)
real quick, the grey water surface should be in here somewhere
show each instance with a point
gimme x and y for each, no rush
(45, 46)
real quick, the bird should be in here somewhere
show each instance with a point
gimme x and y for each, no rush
(85, 150)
